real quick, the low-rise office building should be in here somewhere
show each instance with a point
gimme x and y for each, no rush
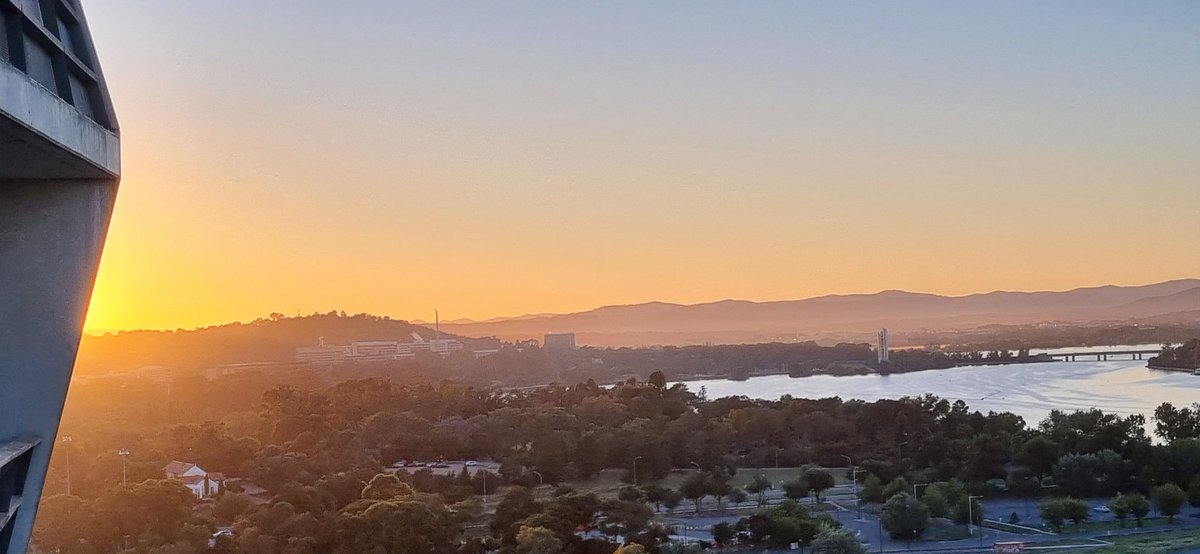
(559, 341)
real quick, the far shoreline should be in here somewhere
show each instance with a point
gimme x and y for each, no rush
(717, 377)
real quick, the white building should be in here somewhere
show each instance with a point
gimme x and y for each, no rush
(882, 352)
(374, 350)
(366, 351)
(444, 346)
(202, 483)
(322, 354)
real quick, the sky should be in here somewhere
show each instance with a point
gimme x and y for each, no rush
(502, 158)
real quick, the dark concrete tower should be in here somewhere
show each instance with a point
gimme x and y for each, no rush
(59, 168)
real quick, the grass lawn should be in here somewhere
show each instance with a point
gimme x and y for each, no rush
(608, 481)
(1148, 523)
(1165, 542)
(945, 531)
(1017, 529)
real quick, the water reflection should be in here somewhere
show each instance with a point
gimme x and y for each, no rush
(1028, 390)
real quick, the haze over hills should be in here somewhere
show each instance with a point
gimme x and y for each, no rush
(827, 319)
(271, 339)
(854, 315)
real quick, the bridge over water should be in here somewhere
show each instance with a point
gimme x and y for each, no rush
(1104, 356)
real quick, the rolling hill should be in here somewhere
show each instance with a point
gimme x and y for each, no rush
(848, 316)
(271, 339)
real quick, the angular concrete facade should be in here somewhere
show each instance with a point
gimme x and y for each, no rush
(59, 169)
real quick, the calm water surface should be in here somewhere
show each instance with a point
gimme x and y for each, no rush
(1028, 390)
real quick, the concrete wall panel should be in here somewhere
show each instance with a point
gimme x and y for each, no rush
(51, 237)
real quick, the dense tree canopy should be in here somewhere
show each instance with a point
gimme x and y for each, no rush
(323, 453)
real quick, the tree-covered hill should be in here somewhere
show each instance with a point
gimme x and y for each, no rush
(271, 339)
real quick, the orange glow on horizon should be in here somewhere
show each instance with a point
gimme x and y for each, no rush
(559, 157)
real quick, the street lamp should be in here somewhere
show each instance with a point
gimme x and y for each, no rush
(635, 459)
(853, 475)
(857, 500)
(854, 481)
(880, 522)
(971, 517)
(124, 454)
(67, 440)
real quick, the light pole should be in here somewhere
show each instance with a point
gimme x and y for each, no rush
(67, 440)
(124, 454)
(853, 475)
(635, 459)
(971, 517)
(880, 522)
(857, 501)
(854, 481)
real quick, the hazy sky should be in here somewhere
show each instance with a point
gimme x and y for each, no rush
(499, 158)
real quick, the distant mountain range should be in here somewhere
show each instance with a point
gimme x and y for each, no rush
(844, 316)
(914, 318)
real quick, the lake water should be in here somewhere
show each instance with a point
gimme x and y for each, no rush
(1028, 390)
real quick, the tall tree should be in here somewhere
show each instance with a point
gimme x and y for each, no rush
(1168, 498)
(1138, 506)
(518, 503)
(1120, 509)
(796, 489)
(837, 540)
(818, 481)
(904, 517)
(537, 540)
(1076, 510)
(872, 490)
(1194, 492)
(402, 526)
(695, 487)
(759, 486)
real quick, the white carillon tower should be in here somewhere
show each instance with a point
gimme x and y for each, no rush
(883, 346)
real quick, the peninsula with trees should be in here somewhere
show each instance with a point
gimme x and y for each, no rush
(1184, 357)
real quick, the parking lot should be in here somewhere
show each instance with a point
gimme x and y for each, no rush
(446, 467)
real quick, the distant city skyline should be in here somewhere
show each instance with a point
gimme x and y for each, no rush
(498, 160)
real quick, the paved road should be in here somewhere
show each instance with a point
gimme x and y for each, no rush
(696, 527)
(1001, 509)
